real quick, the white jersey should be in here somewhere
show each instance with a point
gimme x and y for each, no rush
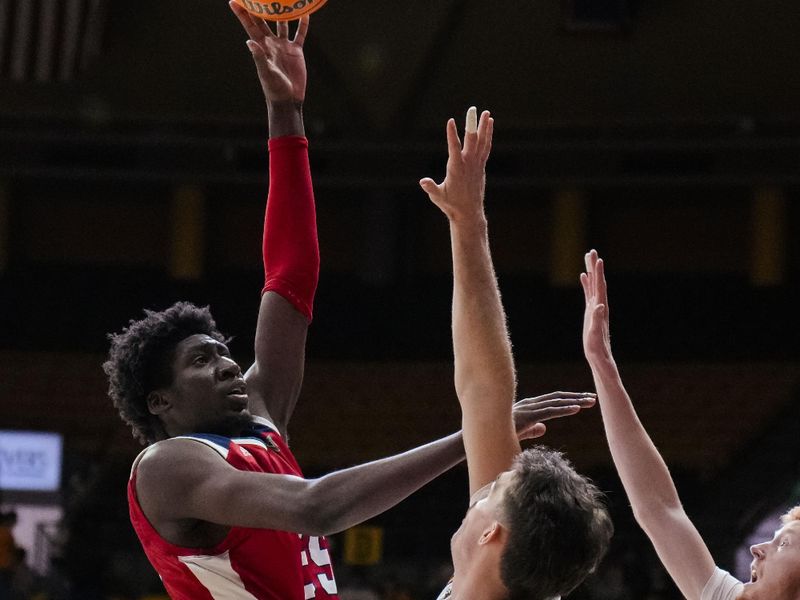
(447, 591)
(722, 586)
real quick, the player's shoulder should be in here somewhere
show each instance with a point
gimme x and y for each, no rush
(177, 454)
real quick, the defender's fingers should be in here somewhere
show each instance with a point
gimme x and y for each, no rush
(453, 142)
(472, 120)
(302, 31)
(486, 135)
(283, 30)
(602, 290)
(429, 186)
(586, 285)
(471, 129)
(587, 260)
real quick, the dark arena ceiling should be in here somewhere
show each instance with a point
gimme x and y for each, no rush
(657, 131)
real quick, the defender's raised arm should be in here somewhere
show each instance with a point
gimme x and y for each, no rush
(644, 474)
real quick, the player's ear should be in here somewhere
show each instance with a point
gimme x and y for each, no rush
(157, 402)
(492, 533)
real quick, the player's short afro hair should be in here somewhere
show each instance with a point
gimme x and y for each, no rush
(140, 360)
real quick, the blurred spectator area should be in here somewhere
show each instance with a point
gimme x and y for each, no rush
(700, 416)
(133, 173)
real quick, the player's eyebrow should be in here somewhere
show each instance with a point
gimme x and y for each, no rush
(208, 346)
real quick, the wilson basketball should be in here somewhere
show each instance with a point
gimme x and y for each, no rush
(281, 10)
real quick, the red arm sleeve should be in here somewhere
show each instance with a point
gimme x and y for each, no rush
(291, 247)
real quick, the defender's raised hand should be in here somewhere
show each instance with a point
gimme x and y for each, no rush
(279, 60)
(461, 193)
(596, 332)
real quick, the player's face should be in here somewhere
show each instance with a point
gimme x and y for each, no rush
(484, 511)
(775, 570)
(208, 393)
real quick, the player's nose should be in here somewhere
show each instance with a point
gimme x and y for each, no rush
(228, 368)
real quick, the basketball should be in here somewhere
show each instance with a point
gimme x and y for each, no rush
(281, 10)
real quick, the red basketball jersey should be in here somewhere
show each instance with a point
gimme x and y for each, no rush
(262, 564)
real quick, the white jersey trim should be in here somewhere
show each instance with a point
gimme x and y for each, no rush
(221, 450)
(216, 574)
(267, 422)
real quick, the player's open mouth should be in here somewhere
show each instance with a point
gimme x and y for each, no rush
(238, 389)
(753, 576)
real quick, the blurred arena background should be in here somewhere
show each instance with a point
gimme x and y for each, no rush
(133, 173)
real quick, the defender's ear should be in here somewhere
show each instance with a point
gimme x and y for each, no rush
(157, 402)
(492, 533)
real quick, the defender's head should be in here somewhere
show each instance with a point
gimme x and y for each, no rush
(537, 531)
(775, 570)
(171, 373)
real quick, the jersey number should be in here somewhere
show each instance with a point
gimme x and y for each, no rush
(320, 557)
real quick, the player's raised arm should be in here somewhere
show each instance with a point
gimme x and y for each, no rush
(644, 474)
(484, 367)
(290, 247)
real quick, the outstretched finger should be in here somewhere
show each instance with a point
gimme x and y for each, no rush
(602, 291)
(555, 395)
(531, 404)
(453, 142)
(587, 259)
(302, 31)
(549, 405)
(256, 28)
(556, 412)
(485, 133)
(471, 129)
(587, 292)
(283, 30)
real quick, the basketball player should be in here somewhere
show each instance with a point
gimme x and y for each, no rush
(535, 528)
(215, 495)
(775, 571)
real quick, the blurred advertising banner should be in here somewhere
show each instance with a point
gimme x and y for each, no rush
(30, 461)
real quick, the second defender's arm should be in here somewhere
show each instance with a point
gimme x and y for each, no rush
(484, 367)
(641, 468)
